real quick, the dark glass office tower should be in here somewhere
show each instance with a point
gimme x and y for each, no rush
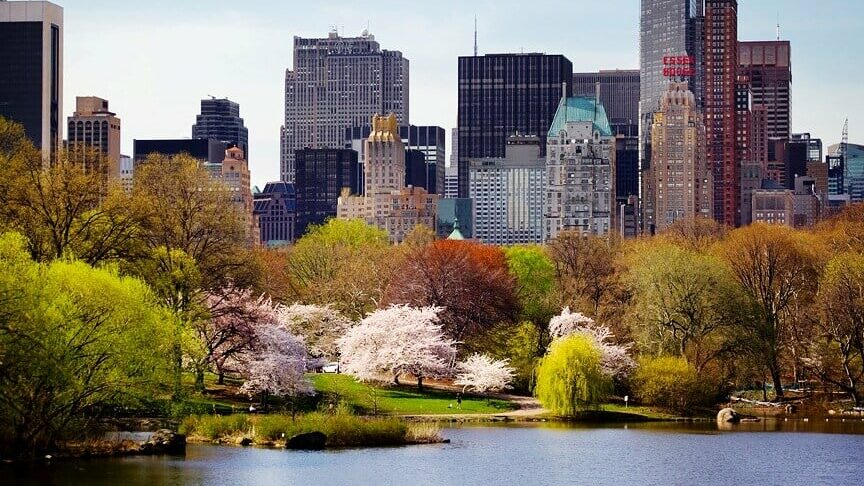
(321, 175)
(220, 120)
(31, 71)
(619, 94)
(506, 94)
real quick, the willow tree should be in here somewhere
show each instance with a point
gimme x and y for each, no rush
(570, 377)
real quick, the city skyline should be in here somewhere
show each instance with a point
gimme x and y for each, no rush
(148, 70)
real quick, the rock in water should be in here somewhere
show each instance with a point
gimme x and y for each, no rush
(312, 441)
(728, 416)
(165, 441)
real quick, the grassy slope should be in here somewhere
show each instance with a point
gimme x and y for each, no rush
(403, 400)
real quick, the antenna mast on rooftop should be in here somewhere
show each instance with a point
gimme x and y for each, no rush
(475, 36)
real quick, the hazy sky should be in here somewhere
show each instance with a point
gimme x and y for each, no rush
(154, 60)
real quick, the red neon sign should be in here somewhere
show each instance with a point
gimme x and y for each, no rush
(678, 66)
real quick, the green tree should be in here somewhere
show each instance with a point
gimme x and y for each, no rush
(570, 378)
(73, 341)
(668, 381)
(539, 298)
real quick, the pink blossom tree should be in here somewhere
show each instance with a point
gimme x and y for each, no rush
(395, 341)
(482, 373)
(278, 366)
(319, 325)
(615, 358)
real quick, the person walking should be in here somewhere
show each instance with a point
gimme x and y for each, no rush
(459, 401)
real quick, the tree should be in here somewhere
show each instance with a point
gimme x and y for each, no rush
(538, 295)
(696, 234)
(74, 341)
(344, 263)
(839, 354)
(615, 360)
(684, 302)
(585, 268)
(278, 366)
(395, 341)
(775, 267)
(669, 382)
(319, 325)
(469, 281)
(481, 373)
(570, 377)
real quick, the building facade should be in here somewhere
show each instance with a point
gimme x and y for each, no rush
(619, 94)
(386, 201)
(210, 152)
(337, 83)
(234, 174)
(276, 212)
(509, 194)
(31, 71)
(127, 173)
(767, 66)
(580, 170)
(322, 176)
(502, 95)
(220, 120)
(721, 68)
(679, 180)
(94, 126)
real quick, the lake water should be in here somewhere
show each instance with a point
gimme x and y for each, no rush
(781, 453)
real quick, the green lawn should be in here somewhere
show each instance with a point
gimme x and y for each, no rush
(403, 400)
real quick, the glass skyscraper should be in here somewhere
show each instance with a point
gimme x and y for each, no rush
(220, 120)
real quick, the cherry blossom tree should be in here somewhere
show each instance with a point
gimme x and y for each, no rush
(615, 358)
(320, 326)
(395, 341)
(278, 366)
(481, 373)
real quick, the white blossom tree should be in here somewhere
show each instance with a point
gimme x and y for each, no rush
(395, 341)
(482, 373)
(278, 366)
(320, 326)
(615, 358)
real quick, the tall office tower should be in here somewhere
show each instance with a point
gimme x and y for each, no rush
(767, 65)
(506, 94)
(322, 175)
(721, 66)
(31, 71)
(127, 173)
(814, 145)
(337, 83)
(667, 28)
(386, 202)
(619, 94)
(276, 210)
(679, 181)
(580, 168)
(451, 182)
(236, 177)
(210, 152)
(509, 194)
(220, 120)
(93, 126)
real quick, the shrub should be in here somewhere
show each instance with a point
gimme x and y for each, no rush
(570, 377)
(215, 426)
(669, 382)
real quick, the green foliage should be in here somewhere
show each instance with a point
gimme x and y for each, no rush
(74, 340)
(400, 400)
(669, 382)
(522, 344)
(569, 378)
(536, 289)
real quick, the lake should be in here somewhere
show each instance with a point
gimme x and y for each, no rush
(766, 453)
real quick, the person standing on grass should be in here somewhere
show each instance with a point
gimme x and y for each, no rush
(459, 401)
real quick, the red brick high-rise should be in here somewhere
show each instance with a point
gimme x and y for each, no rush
(721, 66)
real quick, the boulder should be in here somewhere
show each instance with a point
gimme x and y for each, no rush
(164, 441)
(246, 441)
(311, 441)
(728, 416)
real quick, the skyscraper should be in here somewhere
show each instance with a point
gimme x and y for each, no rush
(506, 94)
(721, 66)
(237, 179)
(220, 120)
(619, 94)
(93, 126)
(322, 175)
(338, 83)
(276, 210)
(580, 167)
(31, 71)
(767, 65)
(679, 181)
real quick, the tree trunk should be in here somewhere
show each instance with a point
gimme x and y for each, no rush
(199, 380)
(420, 383)
(396, 379)
(178, 372)
(775, 376)
(221, 377)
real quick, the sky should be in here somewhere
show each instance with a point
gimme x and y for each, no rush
(155, 60)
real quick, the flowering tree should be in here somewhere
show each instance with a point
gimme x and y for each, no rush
(481, 373)
(614, 358)
(320, 326)
(278, 367)
(395, 341)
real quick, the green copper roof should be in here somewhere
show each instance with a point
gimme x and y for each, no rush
(580, 108)
(456, 234)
